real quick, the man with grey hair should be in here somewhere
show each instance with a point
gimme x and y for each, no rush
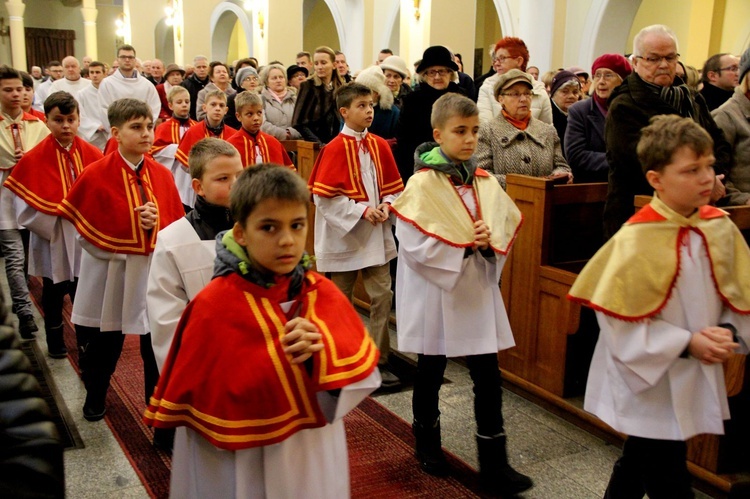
(649, 91)
(72, 82)
(197, 81)
(37, 75)
(157, 72)
(719, 76)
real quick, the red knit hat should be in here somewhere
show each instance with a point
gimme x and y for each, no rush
(613, 62)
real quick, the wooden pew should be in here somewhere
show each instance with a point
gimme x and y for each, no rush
(305, 155)
(562, 229)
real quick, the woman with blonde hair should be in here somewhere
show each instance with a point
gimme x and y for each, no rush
(315, 115)
(278, 103)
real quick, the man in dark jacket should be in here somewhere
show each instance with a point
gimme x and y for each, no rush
(648, 92)
(721, 73)
(196, 82)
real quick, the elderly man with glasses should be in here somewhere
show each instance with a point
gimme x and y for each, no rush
(649, 91)
(721, 74)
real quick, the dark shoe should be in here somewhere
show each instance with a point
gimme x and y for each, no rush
(94, 408)
(496, 475)
(429, 449)
(55, 342)
(27, 327)
(164, 439)
(389, 381)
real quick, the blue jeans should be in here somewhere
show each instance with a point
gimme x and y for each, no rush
(12, 248)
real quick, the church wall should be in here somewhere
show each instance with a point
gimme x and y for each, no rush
(735, 35)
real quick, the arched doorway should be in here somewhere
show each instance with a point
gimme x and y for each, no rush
(319, 26)
(607, 29)
(164, 42)
(231, 32)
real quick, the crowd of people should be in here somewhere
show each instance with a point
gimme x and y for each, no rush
(156, 195)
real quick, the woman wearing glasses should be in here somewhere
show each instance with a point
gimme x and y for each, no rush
(511, 53)
(436, 72)
(515, 141)
(585, 149)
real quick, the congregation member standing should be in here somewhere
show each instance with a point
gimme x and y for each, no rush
(39, 181)
(720, 76)
(140, 199)
(126, 82)
(455, 228)
(353, 182)
(197, 82)
(219, 74)
(72, 82)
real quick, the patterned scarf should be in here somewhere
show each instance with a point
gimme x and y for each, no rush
(677, 96)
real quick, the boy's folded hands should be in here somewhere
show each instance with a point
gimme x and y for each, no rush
(481, 235)
(301, 339)
(712, 345)
(148, 215)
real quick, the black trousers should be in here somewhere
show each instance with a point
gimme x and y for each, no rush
(488, 394)
(53, 296)
(654, 467)
(98, 353)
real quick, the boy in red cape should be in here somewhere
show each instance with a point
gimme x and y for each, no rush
(353, 182)
(118, 205)
(254, 146)
(672, 299)
(259, 413)
(40, 181)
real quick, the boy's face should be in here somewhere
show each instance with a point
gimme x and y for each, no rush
(218, 177)
(96, 74)
(135, 136)
(27, 97)
(274, 235)
(215, 110)
(63, 126)
(359, 114)
(251, 118)
(685, 184)
(11, 91)
(180, 105)
(458, 137)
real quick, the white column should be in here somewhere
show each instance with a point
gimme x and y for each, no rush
(89, 13)
(17, 33)
(536, 27)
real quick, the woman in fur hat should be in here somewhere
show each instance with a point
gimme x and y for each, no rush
(386, 114)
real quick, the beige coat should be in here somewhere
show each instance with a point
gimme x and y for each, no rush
(504, 149)
(278, 115)
(733, 117)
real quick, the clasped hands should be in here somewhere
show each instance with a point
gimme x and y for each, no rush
(712, 345)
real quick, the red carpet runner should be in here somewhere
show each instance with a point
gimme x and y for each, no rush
(380, 443)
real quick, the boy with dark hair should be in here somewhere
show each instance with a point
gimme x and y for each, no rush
(19, 132)
(672, 300)
(93, 117)
(456, 226)
(212, 125)
(353, 182)
(27, 97)
(305, 342)
(140, 199)
(255, 147)
(40, 181)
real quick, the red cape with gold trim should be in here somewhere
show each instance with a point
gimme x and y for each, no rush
(227, 376)
(271, 149)
(168, 133)
(337, 171)
(196, 133)
(102, 204)
(632, 276)
(433, 206)
(43, 178)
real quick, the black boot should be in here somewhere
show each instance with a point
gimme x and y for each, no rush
(429, 450)
(55, 342)
(495, 473)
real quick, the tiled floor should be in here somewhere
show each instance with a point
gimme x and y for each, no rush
(564, 461)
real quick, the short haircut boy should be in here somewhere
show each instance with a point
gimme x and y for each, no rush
(450, 105)
(245, 99)
(304, 54)
(26, 80)
(204, 151)
(346, 94)
(175, 91)
(216, 94)
(665, 135)
(9, 73)
(98, 64)
(63, 101)
(123, 110)
(266, 181)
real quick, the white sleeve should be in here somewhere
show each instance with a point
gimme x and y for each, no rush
(97, 252)
(484, 102)
(166, 299)
(153, 101)
(39, 223)
(642, 351)
(432, 259)
(340, 212)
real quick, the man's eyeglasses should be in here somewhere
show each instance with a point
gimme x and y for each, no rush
(733, 69)
(651, 59)
(126, 57)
